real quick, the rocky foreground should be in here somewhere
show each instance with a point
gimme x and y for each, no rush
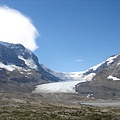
(52, 107)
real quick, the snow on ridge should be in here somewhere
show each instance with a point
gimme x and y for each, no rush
(15, 46)
(111, 59)
(5, 43)
(113, 78)
(96, 66)
(11, 45)
(29, 62)
(64, 75)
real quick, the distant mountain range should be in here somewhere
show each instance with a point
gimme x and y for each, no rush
(20, 71)
(84, 75)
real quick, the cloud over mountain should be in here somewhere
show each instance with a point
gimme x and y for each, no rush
(17, 28)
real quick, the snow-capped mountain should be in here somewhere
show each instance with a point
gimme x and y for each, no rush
(14, 56)
(106, 82)
(19, 65)
(101, 66)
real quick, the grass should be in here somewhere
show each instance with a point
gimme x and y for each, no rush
(53, 112)
(38, 109)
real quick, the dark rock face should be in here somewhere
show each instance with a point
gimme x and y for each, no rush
(101, 85)
(14, 81)
(101, 90)
(8, 55)
(26, 72)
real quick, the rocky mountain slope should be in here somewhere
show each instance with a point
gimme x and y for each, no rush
(106, 82)
(20, 69)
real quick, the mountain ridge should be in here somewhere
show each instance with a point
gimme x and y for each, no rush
(19, 66)
(106, 83)
(88, 74)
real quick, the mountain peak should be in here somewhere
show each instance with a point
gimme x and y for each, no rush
(18, 48)
(15, 57)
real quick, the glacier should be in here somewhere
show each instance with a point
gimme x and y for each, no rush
(58, 87)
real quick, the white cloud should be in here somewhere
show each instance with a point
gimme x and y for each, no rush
(78, 60)
(17, 28)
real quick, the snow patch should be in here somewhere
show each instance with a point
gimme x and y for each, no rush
(88, 77)
(111, 59)
(29, 73)
(118, 64)
(29, 62)
(7, 67)
(21, 72)
(89, 95)
(113, 78)
(11, 67)
(5, 44)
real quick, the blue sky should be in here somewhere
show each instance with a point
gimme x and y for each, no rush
(75, 34)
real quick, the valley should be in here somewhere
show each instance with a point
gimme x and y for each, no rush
(59, 60)
(31, 91)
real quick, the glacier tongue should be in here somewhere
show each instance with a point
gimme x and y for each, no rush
(62, 87)
(58, 87)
